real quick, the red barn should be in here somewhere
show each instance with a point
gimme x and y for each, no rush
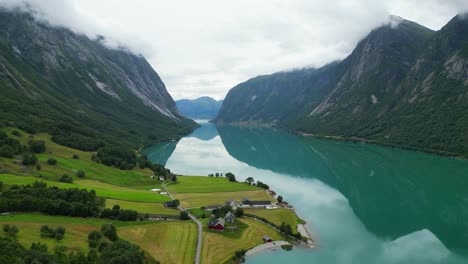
(216, 224)
(267, 239)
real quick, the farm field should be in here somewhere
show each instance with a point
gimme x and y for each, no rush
(141, 207)
(102, 189)
(218, 248)
(276, 216)
(190, 200)
(169, 242)
(203, 184)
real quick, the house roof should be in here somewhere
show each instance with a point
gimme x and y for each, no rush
(215, 222)
(229, 214)
(266, 238)
(260, 202)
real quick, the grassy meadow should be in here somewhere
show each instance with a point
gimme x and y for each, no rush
(190, 200)
(203, 184)
(276, 216)
(141, 207)
(218, 248)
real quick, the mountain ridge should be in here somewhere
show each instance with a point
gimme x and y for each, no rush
(86, 95)
(203, 107)
(379, 93)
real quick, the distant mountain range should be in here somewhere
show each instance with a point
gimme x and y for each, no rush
(84, 94)
(403, 85)
(201, 108)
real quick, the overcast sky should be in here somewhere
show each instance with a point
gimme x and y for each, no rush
(207, 47)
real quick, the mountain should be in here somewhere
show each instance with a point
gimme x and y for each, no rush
(201, 108)
(403, 85)
(83, 93)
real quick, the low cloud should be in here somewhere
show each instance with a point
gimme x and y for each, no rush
(206, 47)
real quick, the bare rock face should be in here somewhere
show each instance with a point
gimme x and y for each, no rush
(77, 78)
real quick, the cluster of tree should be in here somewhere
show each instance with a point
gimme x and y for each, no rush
(54, 201)
(239, 212)
(118, 252)
(222, 211)
(66, 178)
(29, 158)
(172, 204)
(57, 233)
(120, 157)
(158, 169)
(37, 146)
(287, 230)
(76, 137)
(217, 174)
(231, 177)
(119, 214)
(9, 146)
(262, 185)
(184, 215)
(10, 230)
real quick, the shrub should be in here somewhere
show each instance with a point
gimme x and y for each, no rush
(76, 156)
(184, 215)
(52, 161)
(239, 212)
(7, 151)
(38, 167)
(80, 174)
(16, 133)
(66, 178)
(37, 146)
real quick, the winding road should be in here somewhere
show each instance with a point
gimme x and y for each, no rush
(199, 224)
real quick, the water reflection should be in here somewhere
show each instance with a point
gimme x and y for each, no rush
(364, 204)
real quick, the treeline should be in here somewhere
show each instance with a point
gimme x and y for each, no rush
(105, 248)
(53, 201)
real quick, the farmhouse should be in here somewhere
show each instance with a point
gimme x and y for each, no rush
(216, 224)
(267, 239)
(230, 217)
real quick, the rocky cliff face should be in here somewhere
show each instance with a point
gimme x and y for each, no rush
(71, 79)
(402, 85)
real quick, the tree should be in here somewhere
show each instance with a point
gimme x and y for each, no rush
(231, 177)
(51, 161)
(38, 167)
(76, 156)
(173, 178)
(239, 212)
(37, 146)
(280, 199)
(93, 238)
(80, 174)
(29, 159)
(184, 215)
(109, 231)
(249, 180)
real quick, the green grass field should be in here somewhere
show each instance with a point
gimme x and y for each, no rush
(102, 189)
(203, 184)
(276, 216)
(136, 178)
(190, 200)
(218, 248)
(140, 207)
(168, 242)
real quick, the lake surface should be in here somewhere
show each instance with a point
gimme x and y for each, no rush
(363, 203)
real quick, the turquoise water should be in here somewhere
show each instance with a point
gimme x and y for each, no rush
(363, 203)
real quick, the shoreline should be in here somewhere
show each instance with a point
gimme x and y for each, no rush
(267, 246)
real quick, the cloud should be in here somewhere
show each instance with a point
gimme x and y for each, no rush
(206, 47)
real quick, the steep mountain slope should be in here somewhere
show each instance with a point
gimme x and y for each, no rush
(201, 108)
(85, 94)
(402, 85)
